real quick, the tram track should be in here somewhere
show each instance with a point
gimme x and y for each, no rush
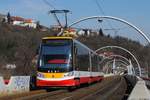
(42, 95)
(15, 96)
(109, 92)
(104, 90)
(33, 95)
(88, 93)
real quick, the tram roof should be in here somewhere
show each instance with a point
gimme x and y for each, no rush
(57, 37)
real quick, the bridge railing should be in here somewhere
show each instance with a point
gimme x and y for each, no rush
(140, 91)
(16, 84)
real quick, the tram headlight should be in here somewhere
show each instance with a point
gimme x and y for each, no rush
(69, 74)
(40, 75)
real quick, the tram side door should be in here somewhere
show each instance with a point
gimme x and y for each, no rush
(75, 61)
(90, 61)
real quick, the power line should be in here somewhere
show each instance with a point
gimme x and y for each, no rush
(49, 4)
(102, 11)
(99, 6)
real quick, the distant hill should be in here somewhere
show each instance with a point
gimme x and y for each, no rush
(142, 53)
(18, 46)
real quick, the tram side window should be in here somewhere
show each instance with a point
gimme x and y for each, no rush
(100, 66)
(82, 62)
(94, 62)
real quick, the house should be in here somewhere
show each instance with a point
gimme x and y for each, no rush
(16, 20)
(10, 66)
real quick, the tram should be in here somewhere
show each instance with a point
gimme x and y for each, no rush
(66, 62)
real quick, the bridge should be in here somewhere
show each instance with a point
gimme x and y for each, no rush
(123, 78)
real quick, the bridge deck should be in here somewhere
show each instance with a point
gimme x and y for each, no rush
(140, 91)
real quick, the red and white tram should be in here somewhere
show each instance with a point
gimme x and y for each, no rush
(64, 61)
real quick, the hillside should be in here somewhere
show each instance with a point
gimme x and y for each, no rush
(18, 46)
(141, 52)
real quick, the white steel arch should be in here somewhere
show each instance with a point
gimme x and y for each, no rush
(118, 61)
(123, 50)
(109, 57)
(114, 18)
(122, 62)
(120, 57)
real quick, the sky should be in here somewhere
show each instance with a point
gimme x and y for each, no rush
(136, 12)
